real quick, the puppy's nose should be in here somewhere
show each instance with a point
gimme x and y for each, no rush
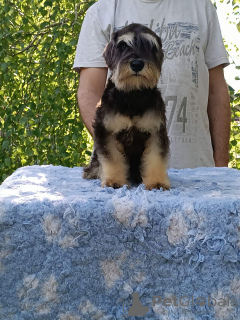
(137, 65)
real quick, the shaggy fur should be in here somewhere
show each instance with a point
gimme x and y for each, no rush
(131, 142)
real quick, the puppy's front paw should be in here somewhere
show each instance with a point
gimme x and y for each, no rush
(112, 183)
(157, 185)
(157, 180)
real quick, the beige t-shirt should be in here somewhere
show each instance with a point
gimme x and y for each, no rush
(192, 44)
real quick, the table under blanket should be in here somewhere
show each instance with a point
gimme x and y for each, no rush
(71, 250)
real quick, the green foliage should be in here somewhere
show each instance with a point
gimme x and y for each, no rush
(39, 119)
(235, 130)
(233, 50)
(236, 11)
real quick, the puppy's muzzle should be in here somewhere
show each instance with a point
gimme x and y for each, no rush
(137, 65)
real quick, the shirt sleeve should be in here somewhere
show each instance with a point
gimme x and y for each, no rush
(215, 53)
(91, 44)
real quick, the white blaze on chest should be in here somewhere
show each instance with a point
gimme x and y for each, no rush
(117, 122)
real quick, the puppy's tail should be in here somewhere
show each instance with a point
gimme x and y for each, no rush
(92, 171)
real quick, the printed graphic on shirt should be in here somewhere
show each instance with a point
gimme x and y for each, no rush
(181, 45)
(180, 40)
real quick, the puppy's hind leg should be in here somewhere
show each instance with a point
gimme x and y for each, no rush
(114, 167)
(92, 170)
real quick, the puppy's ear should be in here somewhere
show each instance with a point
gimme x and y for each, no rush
(161, 53)
(159, 40)
(108, 53)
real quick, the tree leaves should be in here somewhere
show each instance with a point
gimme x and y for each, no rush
(238, 26)
(39, 118)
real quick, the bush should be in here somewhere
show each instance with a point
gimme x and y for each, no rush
(235, 130)
(39, 118)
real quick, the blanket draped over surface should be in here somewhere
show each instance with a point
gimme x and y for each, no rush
(71, 250)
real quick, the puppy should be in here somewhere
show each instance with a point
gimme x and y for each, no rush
(131, 144)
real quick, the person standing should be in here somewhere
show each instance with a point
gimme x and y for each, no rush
(192, 80)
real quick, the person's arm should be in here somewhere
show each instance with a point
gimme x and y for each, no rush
(219, 114)
(91, 86)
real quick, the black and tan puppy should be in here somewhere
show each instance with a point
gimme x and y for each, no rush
(131, 142)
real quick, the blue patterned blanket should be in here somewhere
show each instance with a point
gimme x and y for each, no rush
(71, 250)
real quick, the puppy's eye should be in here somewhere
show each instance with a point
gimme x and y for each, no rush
(122, 46)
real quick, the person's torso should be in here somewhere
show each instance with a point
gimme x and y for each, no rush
(183, 28)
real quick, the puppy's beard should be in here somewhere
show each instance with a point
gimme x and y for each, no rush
(125, 79)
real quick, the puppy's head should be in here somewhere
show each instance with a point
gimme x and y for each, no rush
(135, 56)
